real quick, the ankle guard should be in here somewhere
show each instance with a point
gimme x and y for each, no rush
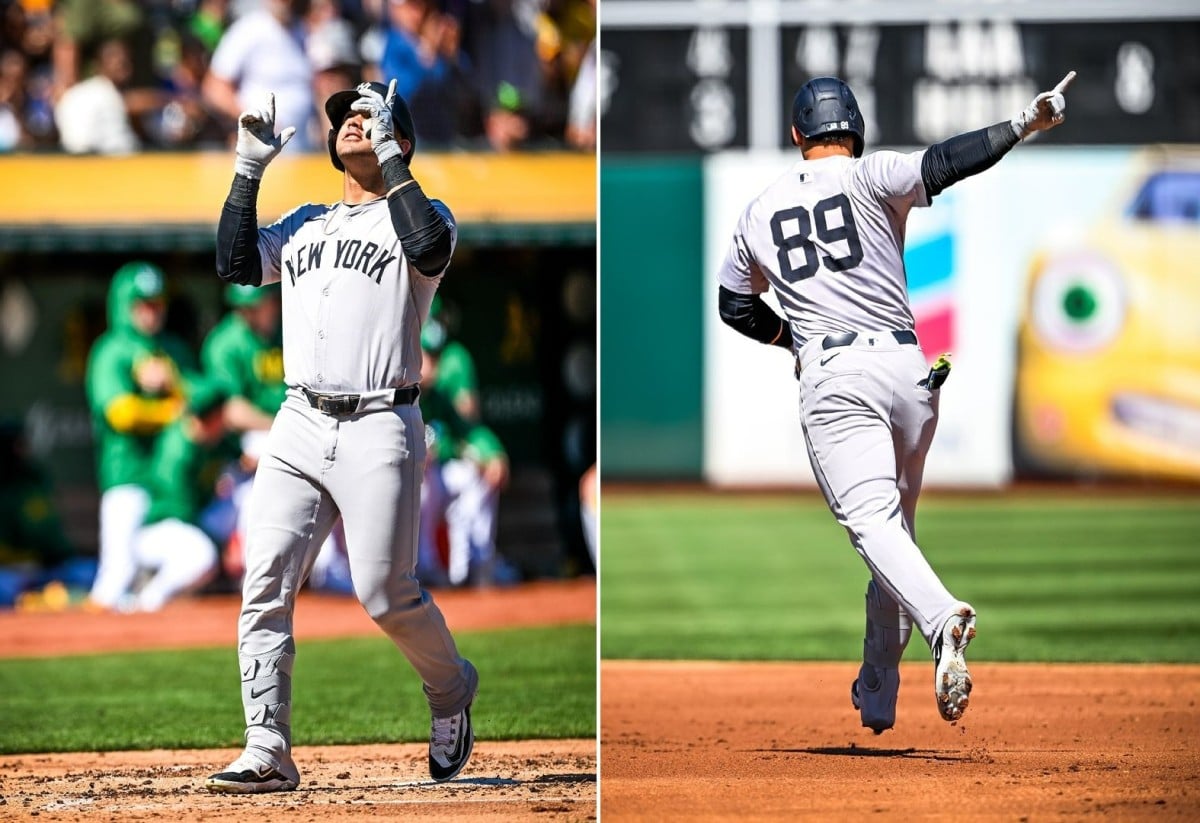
(888, 629)
(267, 692)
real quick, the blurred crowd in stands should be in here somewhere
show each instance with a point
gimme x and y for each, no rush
(121, 76)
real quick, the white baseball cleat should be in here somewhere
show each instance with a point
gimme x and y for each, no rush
(250, 774)
(951, 680)
(874, 694)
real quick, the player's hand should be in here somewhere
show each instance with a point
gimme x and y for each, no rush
(257, 143)
(1046, 111)
(495, 473)
(154, 375)
(377, 119)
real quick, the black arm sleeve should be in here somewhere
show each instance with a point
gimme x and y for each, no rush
(963, 155)
(748, 314)
(423, 233)
(238, 260)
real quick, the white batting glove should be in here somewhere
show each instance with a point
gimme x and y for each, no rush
(377, 112)
(257, 143)
(1046, 111)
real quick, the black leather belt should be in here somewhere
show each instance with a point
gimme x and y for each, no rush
(341, 404)
(832, 341)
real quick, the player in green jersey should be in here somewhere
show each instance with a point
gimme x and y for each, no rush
(135, 382)
(466, 469)
(170, 546)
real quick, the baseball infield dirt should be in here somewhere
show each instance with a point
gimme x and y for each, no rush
(538, 779)
(780, 741)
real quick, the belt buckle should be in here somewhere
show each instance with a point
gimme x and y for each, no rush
(337, 404)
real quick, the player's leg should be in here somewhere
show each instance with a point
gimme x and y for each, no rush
(486, 567)
(846, 409)
(289, 516)
(913, 427)
(234, 560)
(467, 504)
(913, 424)
(379, 469)
(182, 556)
(875, 690)
(122, 509)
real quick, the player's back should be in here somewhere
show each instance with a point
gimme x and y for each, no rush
(829, 237)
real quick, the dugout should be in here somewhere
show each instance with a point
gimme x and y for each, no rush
(520, 295)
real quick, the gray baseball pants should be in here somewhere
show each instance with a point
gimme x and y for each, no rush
(367, 467)
(869, 427)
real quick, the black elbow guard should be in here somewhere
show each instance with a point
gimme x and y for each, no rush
(424, 234)
(749, 315)
(963, 155)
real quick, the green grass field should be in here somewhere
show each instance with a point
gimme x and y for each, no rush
(1055, 577)
(534, 683)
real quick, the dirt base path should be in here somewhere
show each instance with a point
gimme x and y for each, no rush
(544, 780)
(774, 741)
(528, 780)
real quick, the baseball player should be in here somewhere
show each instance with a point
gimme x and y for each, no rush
(244, 353)
(170, 546)
(828, 238)
(357, 279)
(456, 374)
(464, 475)
(135, 387)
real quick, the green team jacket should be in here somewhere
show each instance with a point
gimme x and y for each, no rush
(126, 420)
(245, 364)
(456, 437)
(182, 475)
(456, 371)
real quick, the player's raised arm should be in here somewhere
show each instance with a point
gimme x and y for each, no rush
(963, 155)
(426, 235)
(238, 259)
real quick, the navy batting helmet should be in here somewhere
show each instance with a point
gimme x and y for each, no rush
(338, 106)
(825, 105)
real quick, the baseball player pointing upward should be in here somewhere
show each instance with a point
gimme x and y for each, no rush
(828, 238)
(357, 280)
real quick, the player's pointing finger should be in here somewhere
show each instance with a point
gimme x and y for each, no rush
(1066, 81)
(391, 93)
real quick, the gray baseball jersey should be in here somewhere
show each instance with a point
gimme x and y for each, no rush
(828, 237)
(343, 333)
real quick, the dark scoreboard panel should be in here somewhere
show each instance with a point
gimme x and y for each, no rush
(1137, 82)
(676, 89)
